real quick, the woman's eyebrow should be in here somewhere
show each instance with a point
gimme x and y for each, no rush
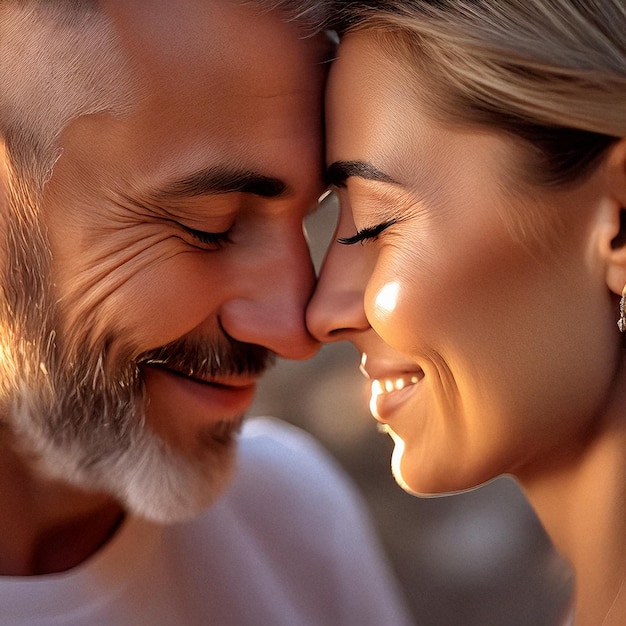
(337, 173)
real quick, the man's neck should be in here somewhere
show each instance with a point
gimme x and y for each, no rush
(47, 526)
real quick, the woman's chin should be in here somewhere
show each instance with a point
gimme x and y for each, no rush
(396, 464)
(417, 482)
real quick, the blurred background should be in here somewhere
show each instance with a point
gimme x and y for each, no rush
(476, 559)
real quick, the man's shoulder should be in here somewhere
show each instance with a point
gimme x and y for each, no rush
(275, 442)
(292, 533)
(280, 456)
(286, 488)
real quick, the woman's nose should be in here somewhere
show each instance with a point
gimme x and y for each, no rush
(336, 311)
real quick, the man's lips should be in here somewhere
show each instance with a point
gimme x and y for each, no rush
(230, 382)
(208, 399)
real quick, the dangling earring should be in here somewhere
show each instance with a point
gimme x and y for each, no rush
(621, 322)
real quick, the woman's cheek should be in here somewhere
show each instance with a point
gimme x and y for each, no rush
(393, 306)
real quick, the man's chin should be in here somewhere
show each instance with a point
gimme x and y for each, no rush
(160, 484)
(148, 478)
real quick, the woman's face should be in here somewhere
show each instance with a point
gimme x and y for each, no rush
(477, 299)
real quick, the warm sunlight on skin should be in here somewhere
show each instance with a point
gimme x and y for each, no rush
(396, 460)
(482, 176)
(440, 224)
(376, 391)
(4, 355)
(387, 299)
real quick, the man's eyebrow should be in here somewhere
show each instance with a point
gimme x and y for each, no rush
(219, 180)
(337, 173)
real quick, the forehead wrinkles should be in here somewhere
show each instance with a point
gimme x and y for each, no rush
(58, 60)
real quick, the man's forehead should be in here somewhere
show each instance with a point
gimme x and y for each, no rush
(217, 70)
(218, 35)
(180, 119)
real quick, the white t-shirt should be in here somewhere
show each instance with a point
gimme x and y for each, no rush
(288, 544)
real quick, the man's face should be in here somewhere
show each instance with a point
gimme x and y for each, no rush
(178, 265)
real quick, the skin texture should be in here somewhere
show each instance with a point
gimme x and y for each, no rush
(181, 323)
(485, 304)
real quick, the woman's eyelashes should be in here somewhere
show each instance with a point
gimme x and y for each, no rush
(365, 234)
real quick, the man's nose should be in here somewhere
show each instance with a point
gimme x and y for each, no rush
(269, 308)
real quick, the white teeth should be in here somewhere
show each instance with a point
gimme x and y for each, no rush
(385, 386)
(381, 386)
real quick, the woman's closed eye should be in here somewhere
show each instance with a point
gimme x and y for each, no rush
(365, 234)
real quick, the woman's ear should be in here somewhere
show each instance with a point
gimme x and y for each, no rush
(615, 216)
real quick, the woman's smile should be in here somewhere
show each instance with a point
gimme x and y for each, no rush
(389, 393)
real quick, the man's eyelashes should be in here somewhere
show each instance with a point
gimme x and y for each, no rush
(211, 240)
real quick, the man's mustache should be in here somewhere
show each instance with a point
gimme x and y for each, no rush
(211, 357)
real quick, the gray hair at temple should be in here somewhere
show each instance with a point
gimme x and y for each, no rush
(552, 72)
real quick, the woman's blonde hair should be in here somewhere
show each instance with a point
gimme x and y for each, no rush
(550, 71)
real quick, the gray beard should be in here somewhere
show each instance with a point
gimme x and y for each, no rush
(97, 440)
(148, 478)
(82, 419)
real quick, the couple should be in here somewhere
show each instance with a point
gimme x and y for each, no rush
(158, 159)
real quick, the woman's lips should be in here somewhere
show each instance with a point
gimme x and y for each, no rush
(391, 391)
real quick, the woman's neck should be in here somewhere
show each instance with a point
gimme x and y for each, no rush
(582, 505)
